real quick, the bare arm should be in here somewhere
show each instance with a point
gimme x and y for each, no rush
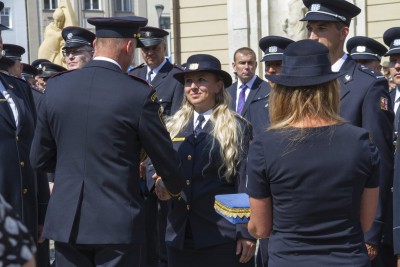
(369, 202)
(260, 223)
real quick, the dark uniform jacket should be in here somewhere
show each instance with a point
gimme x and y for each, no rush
(396, 185)
(365, 102)
(27, 194)
(255, 109)
(91, 130)
(169, 90)
(202, 183)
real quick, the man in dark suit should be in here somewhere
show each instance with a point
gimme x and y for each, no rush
(157, 71)
(364, 99)
(391, 37)
(92, 129)
(26, 192)
(249, 89)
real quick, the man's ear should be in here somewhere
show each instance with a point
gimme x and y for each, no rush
(344, 32)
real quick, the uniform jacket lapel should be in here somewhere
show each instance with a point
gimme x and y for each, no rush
(253, 92)
(19, 102)
(188, 132)
(347, 71)
(232, 92)
(393, 96)
(142, 73)
(5, 109)
(162, 74)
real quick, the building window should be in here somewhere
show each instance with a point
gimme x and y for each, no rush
(92, 4)
(50, 4)
(6, 17)
(165, 22)
(123, 5)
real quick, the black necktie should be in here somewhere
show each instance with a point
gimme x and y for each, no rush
(200, 120)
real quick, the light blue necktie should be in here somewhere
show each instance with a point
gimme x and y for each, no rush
(149, 76)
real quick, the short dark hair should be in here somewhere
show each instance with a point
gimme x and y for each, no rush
(245, 51)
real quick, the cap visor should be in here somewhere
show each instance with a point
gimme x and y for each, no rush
(150, 41)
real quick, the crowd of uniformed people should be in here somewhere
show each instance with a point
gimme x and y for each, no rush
(120, 165)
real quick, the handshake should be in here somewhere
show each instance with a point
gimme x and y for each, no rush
(160, 189)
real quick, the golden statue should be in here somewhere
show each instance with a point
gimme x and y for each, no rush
(53, 42)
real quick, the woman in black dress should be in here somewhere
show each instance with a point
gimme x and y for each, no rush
(212, 142)
(312, 178)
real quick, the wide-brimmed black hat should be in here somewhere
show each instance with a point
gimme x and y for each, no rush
(49, 69)
(365, 48)
(391, 37)
(330, 10)
(204, 63)
(150, 36)
(273, 47)
(305, 63)
(77, 36)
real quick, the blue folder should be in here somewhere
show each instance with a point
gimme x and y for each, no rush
(233, 207)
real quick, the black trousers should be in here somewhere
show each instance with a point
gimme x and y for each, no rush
(223, 255)
(262, 253)
(385, 258)
(156, 223)
(43, 254)
(124, 255)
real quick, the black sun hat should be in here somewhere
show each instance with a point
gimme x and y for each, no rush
(204, 63)
(305, 63)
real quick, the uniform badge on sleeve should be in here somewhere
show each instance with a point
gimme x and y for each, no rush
(384, 103)
(153, 97)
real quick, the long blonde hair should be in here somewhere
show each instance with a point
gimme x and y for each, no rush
(289, 105)
(226, 131)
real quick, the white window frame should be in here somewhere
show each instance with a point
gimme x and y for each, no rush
(2, 13)
(51, 7)
(91, 5)
(123, 7)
